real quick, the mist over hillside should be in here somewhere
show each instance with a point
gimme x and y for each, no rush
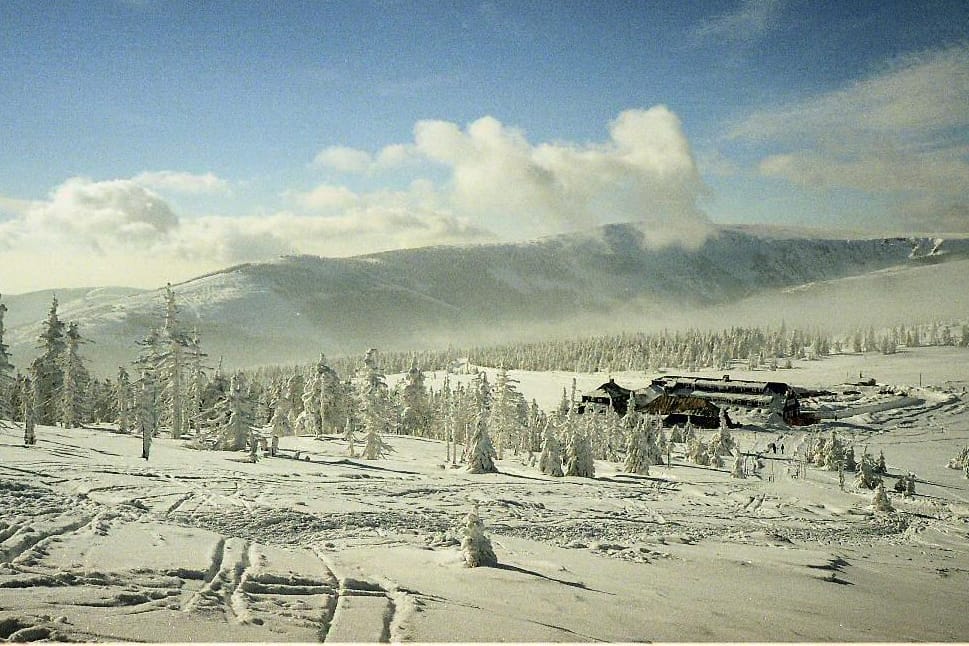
(608, 279)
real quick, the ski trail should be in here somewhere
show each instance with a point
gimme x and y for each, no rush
(25, 538)
(215, 565)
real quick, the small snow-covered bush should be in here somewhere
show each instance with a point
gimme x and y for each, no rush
(475, 546)
(960, 461)
(880, 501)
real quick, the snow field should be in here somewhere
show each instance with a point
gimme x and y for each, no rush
(99, 544)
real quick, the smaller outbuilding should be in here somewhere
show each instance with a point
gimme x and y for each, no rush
(608, 395)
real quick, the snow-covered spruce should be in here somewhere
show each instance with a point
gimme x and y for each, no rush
(7, 382)
(867, 477)
(880, 501)
(475, 545)
(578, 456)
(481, 452)
(637, 452)
(550, 460)
(374, 405)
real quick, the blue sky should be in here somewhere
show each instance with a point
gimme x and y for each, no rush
(170, 138)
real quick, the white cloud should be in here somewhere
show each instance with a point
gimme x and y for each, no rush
(344, 159)
(645, 172)
(179, 182)
(92, 215)
(751, 20)
(326, 197)
(900, 133)
(919, 94)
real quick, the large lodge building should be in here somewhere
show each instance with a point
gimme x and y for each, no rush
(697, 399)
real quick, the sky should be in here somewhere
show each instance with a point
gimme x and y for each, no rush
(147, 141)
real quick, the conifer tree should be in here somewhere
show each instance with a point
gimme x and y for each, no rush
(333, 408)
(294, 393)
(834, 453)
(578, 456)
(503, 420)
(195, 389)
(738, 466)
(7, 382)
(147, 411)
(416, 415)
(480, 451)
(849, 461)
(46, 372)
(373, 402)
(174, 344)
(867, 477)
(235, 432)
(637, 452)
(308, 421)
(722, 442)
(881, 468)
(280, 420)
(550, 460)
(27, 404)
(75, 381)
(880, 501)
(475, 545)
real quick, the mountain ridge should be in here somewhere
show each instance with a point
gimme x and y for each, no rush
(291, 308)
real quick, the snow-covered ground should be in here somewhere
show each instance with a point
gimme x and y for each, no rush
(98, 544)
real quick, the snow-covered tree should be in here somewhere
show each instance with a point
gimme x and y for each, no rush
(637, 452)
(849, 460)
(960, 461)
(75, 381)
(235, 432)
(280, 420)
(46, 372)
(294, 393)
(350, 436)
(122, 393)
(475, 545)
(147, 409)
(833, 453)
(416, 414)
(174, 344)
(27, 404)
(722, 442)
(578, 456)
(738, 466)
(333, 398)
(550, 460)
(504, 421)
(881, 468)
(480, 450)
(373, 404)
(374, 446)
(697, 451)
(195, 387)
(868, 477)
(308, 421)
(880, 501)
(7, 381)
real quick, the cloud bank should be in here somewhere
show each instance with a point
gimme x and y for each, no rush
(898, 133)
(481, 183)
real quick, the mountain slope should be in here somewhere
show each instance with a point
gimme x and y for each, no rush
(292, 308)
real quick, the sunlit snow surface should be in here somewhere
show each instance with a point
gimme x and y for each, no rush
(98, 544)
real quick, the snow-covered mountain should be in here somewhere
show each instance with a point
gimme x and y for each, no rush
(290, 309)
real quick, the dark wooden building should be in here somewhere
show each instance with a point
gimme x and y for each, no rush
(609, 394)
(678, 410)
